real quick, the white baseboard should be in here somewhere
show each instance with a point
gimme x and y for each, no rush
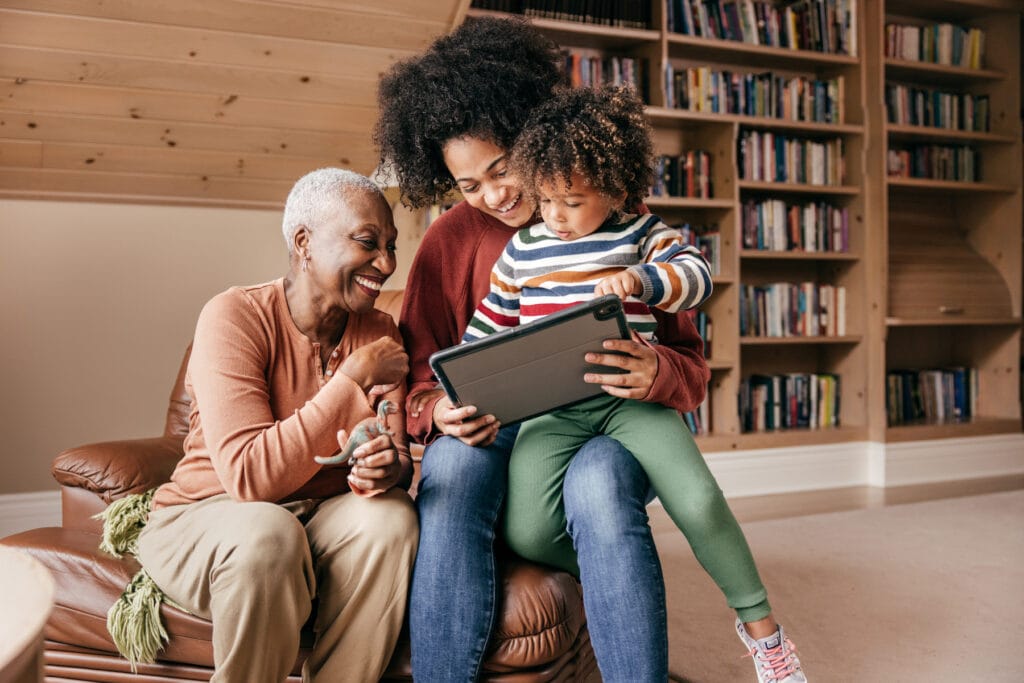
(24, 511)
(922, 462)
(808, 468)
(785, 470)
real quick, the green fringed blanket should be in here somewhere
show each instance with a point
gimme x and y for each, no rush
(134, 620)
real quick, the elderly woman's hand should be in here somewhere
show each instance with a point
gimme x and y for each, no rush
(638, 360)
(383, 361)
(377, 467)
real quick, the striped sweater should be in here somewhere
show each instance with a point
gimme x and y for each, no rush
(538, 274)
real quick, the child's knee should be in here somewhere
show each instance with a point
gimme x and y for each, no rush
(528, 535)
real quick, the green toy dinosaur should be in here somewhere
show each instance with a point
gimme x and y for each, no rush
(365, 431)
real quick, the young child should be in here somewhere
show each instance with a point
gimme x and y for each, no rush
(587, 154)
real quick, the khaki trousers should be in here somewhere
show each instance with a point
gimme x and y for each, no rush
(253, 569)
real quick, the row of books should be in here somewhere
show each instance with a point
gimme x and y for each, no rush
(926, 107)
(702, 89)
(819, 25)
(934, 162)
(777, 225)
(590, 68)
(702, 321)
(699, 420)
(685, 175)
(786, 309)
(789, 401)
(944, 43)
(776, 158)
(618, 13)
(931, 396)
(708, 239)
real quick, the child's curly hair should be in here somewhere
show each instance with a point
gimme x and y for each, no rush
(482, 80)
(599, 133)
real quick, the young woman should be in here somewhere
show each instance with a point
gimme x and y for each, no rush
(448, 120)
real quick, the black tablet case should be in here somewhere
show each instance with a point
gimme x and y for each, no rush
(536, 367)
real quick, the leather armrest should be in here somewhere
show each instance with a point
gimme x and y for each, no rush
(114, 469)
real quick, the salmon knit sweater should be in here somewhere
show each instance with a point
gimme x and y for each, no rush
(263, 406)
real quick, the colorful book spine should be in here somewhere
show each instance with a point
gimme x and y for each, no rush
(777, 225)
(789, 401)
(931, 396)
(786, 309)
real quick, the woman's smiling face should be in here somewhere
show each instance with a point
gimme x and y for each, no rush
(480, 169)
(353, 253)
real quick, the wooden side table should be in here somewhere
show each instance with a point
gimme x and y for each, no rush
(26, 600)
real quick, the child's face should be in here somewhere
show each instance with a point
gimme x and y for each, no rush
(574, 210)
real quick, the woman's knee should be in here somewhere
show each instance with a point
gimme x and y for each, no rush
(268, 525)
(603, 469)
(393, 523)
(452, 468)
(606, 491)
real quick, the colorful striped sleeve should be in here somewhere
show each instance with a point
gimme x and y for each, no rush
(500, 308)
(673, 274)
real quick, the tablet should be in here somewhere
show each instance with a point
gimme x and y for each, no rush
(528, 370)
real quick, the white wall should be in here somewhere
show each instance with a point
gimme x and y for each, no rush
(98, 302)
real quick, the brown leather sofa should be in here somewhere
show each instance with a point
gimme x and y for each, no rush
(541, 633)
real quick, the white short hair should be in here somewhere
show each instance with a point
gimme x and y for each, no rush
(313, 198)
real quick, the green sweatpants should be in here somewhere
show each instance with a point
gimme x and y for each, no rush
(535, 524)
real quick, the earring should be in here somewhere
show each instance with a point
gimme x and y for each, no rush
(305, 263)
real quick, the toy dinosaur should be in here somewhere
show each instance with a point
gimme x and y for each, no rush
(364, 431)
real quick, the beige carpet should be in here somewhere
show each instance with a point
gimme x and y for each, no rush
(928, 592)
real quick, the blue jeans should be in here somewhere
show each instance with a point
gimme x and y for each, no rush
(454, 585)
(606, 492)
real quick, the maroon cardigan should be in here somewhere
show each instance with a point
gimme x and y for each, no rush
(451, 274)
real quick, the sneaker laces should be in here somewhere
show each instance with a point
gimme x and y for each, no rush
(778, 662)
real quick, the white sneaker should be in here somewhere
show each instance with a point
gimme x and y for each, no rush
(774, 657)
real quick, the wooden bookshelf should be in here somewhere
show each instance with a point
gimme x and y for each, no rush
(806, 339)
(712, 443)
(665, 202)
(952, 321)
(711, 48)
(755, 254)
(889, 319)
(943, 186)
(981, 426)
(905, 70)
(665, 116)
(950, 250)
(799, 188)
(898, 132)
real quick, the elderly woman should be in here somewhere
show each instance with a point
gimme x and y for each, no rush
(251, 528)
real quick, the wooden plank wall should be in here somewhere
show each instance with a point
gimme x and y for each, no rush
(206, 102)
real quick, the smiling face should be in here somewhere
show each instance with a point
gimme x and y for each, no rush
(575, 209)
(480, 169)
(352, 253)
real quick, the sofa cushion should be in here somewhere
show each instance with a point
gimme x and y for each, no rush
(540, 624)
(87, 582)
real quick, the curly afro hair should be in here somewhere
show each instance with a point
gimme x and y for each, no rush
(482, 80)
(599, 133)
